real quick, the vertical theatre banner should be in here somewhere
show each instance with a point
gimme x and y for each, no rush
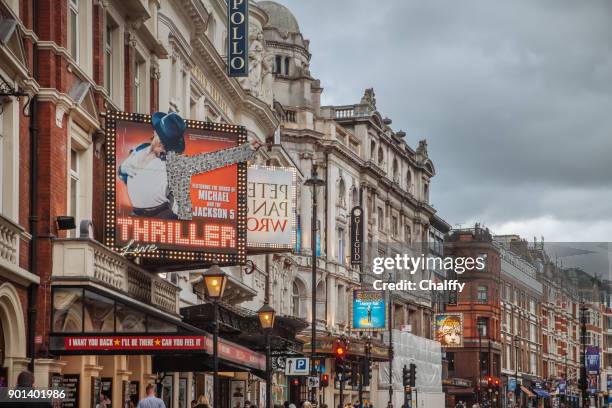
(271, 205)
(176, 189)
(356, 236)
(592, 360)
(449, 329)
(369, 311)
(238, 38)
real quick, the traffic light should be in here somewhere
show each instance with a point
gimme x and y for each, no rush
(351, 374)
(412, 375)
(497, 386)
(324, 380)
(295, 381)
(405, 376)
(340, 368)
(490, 384)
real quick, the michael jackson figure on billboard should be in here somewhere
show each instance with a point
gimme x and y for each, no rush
(157, 172)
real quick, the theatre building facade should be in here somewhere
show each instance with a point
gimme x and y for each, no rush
(101, 323)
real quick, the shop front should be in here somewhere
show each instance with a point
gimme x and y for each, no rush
(240, 327)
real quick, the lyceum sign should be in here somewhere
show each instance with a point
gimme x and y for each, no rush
(237, 39)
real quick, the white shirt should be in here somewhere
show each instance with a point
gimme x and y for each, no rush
(147, 185)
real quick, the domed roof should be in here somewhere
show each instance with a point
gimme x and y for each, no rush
(279, 17)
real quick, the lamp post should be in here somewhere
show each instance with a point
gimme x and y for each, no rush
(314, 181)
(266, 319)
(516, 362)
(214, 283)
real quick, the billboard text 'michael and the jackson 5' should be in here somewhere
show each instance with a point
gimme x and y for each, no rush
(176, 189)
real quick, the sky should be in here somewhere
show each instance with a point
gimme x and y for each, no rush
(514, 99)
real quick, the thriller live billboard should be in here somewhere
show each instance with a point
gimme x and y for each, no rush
(176, 189)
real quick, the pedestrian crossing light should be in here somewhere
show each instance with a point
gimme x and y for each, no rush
(324, 380)
(412, 375)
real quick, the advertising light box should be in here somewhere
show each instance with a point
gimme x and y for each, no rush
(176, 189)
(449, 329)
(369, 311)
(271, 206)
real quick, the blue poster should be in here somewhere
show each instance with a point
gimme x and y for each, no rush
(369, 310)
(562, 387)
(511, 384)
(592, 360)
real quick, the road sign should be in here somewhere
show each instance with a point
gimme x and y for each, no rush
(297, 366)
(313, 382)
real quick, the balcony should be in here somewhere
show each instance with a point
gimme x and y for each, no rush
(84, 261)
(10, 234)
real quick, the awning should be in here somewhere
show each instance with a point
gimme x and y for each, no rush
(542, 393)
(458, 391)
(527, 392)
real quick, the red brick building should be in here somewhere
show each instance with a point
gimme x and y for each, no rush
(479, 303)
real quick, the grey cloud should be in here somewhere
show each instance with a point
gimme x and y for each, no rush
(515, 98)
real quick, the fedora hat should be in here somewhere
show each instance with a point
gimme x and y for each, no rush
(170, 128)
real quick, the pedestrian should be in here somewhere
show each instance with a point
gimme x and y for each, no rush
(247, 404)
(151, 400)
(202, 402)
(306, 404)
(292, 405)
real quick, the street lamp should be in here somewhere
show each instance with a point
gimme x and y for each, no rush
(314, 181)
(266, 316)
(214, 284)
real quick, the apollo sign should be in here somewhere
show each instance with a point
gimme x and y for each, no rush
(237, 39)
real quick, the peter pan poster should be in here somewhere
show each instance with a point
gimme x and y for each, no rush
(369, 311)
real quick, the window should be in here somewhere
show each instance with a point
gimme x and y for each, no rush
(381, 219)
(73, 20)
(108, 59)
(407, 234)
(426, 192)
(450, 358)
(75, 184)
(68, 310)
(129, 320)
(99, 314)
(138, 88)
(482, 324)
(483, 294)
(372, 150)
(295, 300)
(341, 193)
(341, 244)
(381, 155)
(278, 64)
(395, 225)
(287, 66)
(395, 171)
(409, 181)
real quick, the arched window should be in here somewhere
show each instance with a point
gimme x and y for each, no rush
(287, 66)
(354, 196)
(211, 30)
(295, 300)
(278, 64)
(425, 192)
(395, 171)
(341, 193)
(409, 181)
(321, 300)
(381, 155)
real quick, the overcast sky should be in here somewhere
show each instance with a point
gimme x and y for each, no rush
(514, 98)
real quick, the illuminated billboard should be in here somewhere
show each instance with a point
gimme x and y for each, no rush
(449, 329)
(176, 189)
(369, 310)
(271, 207)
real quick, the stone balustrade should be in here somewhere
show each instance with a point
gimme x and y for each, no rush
(88, 260)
